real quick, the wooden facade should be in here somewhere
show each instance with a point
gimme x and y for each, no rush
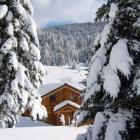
(57, 96)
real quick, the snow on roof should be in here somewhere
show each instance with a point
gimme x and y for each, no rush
(44, 90)
(59, 76)
(49, 87)
(62, 104)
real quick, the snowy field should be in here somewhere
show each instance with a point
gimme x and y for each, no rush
(27, 122)
(38, 133)
(57, 76)
(27, 129)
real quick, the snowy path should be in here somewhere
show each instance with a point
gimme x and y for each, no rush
(38, 133)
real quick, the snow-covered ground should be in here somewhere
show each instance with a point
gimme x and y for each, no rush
(57, 76)
(38, 133)
(27, 122)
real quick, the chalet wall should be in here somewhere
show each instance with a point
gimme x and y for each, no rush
(58, 96)
(68, 111)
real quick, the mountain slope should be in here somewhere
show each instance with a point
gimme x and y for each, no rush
(68, 44)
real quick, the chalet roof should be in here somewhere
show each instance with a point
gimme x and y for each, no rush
(67, 102)
(49, 88)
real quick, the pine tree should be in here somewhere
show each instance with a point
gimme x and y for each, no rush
(112, 97)
(20, 71)
(68, 44)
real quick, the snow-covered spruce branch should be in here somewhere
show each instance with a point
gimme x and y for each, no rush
(112, 98)
(20, 70)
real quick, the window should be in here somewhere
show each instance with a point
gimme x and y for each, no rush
(52, 98)
(73, 97)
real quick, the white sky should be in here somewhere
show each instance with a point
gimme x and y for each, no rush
(46, 11)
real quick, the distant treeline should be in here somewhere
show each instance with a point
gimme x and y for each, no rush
(68, 44)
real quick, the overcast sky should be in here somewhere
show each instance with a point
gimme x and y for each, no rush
(47, 11)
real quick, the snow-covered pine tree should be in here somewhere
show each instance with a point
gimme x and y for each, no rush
(113, 86)
(20, 70)
(68, 44)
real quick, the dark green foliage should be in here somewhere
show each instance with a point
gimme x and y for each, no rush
(20, 70)
(125, 25)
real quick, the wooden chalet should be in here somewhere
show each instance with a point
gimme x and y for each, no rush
(65, 99)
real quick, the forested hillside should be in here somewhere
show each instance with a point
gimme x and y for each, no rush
(68, 44)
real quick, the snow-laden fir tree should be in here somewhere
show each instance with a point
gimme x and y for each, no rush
(112, 98)
(20, 71)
